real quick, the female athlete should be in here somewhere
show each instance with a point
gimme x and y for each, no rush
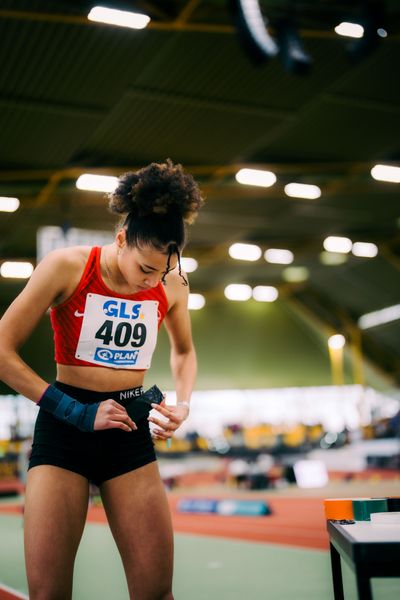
(107, 304)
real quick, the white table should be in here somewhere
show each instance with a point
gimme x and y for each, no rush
(370, 550)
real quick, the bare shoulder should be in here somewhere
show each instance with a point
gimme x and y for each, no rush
(175, 288)
(67, 258)
(66, 265)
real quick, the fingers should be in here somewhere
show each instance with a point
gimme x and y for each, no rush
(166, 412)
(163, 434)
(116, 413)
(116, 405)
(125, 420)
(167, 426)
(121, 425)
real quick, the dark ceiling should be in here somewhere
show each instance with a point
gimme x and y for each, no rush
(78, 96)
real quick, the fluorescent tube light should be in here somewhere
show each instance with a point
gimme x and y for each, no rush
(121, 18)
(353, 30)
(379, 317)
(238, 292)
(96, 183)
(265, 293)
(302, 190)
(279, 256)
(16, 270)
(338, 244)
(245, 252)
(196, 301)
(256, 177)
(8, 204)
(365, 249)
(386, 173)
(189, 264)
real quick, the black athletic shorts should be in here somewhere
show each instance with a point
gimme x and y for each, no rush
(97, 455)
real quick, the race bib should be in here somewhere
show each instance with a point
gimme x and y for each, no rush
(118, 333)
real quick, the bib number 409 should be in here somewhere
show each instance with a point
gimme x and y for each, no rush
(124, 334)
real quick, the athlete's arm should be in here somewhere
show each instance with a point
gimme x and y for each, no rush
(183, 355)
(182, 359)
(47, 283)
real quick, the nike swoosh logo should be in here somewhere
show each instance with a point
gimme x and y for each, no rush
(78, 314)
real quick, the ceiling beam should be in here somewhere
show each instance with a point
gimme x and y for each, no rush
(159, 25)
(187, 12)
(341, 321)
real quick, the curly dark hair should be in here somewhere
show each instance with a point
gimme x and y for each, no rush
(158, 201)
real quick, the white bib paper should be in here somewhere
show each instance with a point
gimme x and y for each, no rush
(118, 333)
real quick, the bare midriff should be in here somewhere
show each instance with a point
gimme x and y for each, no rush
(99, 379)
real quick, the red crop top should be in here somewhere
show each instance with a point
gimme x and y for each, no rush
(99, 327)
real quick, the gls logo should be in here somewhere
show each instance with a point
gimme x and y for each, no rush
(113, 308)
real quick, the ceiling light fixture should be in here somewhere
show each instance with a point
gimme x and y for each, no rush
(121, 18)
(265, 293)
(16, 269)
(337, 244)
(255, 177)
(353, 30)
(96, 183)
(379, 317)
(189, 264)
(245, 252)
(196, 301)
(302, 190)
(365, 249)
(8, 204)
(279, 256)
(386, 173)
(238, 292)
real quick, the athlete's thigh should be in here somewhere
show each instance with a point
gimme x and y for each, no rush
(140, 520)
(56, 502)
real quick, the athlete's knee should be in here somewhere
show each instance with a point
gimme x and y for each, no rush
(154, 590)
(48, 590)
(154, 595)
(49, 595)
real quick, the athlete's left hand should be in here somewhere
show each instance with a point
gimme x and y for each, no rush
(174, 417)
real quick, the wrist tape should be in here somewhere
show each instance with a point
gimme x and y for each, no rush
(69, 410)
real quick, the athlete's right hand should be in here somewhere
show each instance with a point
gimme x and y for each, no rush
(111, 415)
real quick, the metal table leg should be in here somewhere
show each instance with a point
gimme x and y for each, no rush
(363, 586)
(336, 574)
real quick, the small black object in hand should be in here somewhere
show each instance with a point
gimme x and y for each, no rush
(141, 406)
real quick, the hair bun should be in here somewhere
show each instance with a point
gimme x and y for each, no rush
(158, 189)
(122, 198)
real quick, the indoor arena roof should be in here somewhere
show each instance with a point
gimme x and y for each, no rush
(77, 96)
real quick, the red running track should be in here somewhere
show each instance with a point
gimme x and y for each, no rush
(296, 522)
(7, 593)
